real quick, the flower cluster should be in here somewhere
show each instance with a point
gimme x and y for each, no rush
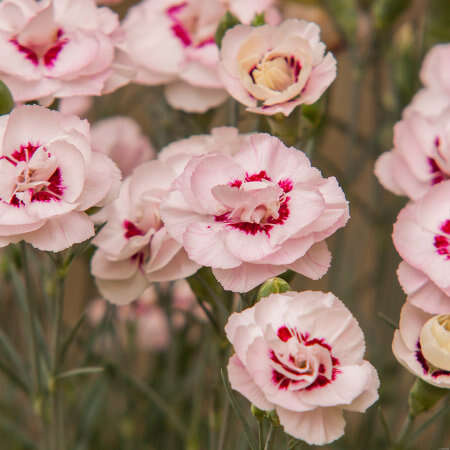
(419, 167)
(244, 205)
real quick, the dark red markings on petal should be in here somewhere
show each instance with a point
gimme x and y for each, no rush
(26, 51)
(421, 359)
(283, 213)
(9, 160)
(322, 380)
(438, 175)
(43, 196)
(441, 242)
(440, 372)
(262, 175)
(182, 34)
(52, 53)
(131, 229)
(284, 334)
(56, 186)
(316, 341)
(25, 152)
(205, 42)
(236, 183)
(286, 185)
(175, 8)
(445, 227)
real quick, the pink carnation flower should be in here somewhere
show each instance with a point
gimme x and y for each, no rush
(422, 236)
(49, 177)
(422, 337)
(172, 42)
(245, 11)
(254, 215)
(436, 68)
(134, 246)
(421, 154)
(122, 140)
(57, 48)
(273, 69)
(302, 355)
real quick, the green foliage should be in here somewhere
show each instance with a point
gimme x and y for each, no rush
(6, 100)
(228, 21)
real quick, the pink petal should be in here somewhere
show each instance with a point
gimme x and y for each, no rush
(315, 263)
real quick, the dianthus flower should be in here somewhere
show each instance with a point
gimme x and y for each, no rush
(255, 214)
(301, 354)
(49, 177)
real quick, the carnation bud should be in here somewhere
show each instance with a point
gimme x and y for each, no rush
(273, 286)
(6, 100)
(258, 413)
(435, 341)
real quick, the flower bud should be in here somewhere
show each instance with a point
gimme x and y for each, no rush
(273, 286)
(435, 341)
(6, 100)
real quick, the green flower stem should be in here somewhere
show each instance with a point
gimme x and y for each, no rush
(31, 329)
(286, 128)
(405, 432)
(56, 425)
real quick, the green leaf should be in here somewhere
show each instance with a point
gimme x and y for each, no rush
(227, 22)
(80, 371)
(6, 100)
(386, 12)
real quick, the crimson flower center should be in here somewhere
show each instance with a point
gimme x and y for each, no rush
(300, 362)
(32, 175)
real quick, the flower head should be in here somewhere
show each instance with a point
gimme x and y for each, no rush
(49, 176)
(255, 214)
(55, 48)
(421, 345)
(302, 355)
(273, 69)
(134, 246)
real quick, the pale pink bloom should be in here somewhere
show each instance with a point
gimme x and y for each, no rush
(55, 48)
(421, 154)
(301, 354)
(134, 246)
(273, 69)
(49, 177)
(410, 342)
(256, 214)
(225, 140)
(78, 105)
(435, 72)
(172, 42)
(122, 140)
(422, 237)
(246, 11)
(421, 291)
(184, 301)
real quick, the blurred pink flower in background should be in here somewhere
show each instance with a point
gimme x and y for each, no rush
(421, 344)
(255, 214)
(122, 140)
(273, 69)
(57, 48)
(245, 11)
(145, 317)
(49, 177)
(77, 105)
(422, 238)
(134, 246)
(435, 72)
(302, 355)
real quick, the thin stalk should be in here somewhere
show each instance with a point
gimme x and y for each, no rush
(224, 426)
(56, 412)
(31, 331)
(406, 430)
(269, 437)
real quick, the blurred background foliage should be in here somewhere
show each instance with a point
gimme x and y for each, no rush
(175, 398)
